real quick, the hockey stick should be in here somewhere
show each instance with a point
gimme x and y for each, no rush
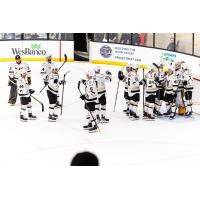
(63, 91)
(38, 102)
(79, 83)
(116, 96)
(32, 97)
(117, 92)
(58, 70)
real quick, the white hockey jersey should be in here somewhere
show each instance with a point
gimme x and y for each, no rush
(161, 78)
(150, 84)
(133, 83)
(171, 84)
(23, 87)
(90, 90)
(180, 77)
(101, 79)
(14, 71)
(46, 70)
(53, 85)
(187, 77)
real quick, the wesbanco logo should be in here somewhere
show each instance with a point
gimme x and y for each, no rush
(34, 50)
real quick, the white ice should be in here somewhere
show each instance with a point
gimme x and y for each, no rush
(121, 142)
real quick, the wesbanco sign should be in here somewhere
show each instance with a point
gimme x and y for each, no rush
(36, 50)
(121, 55)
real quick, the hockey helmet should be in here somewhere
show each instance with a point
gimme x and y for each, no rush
(89, 74)
(184, 66)
(97, 69)
(48, 56)
(17, 57)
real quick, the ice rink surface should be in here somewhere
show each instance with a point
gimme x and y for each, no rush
(122, 142)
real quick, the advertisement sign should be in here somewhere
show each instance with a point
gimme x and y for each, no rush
(36, 50)
(118, 54)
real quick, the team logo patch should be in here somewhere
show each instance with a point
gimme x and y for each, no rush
(105, 51)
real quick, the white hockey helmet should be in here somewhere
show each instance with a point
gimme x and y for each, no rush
(184, 66)
(97, 69)
(48, 56)
(150, 69)
(89, 73)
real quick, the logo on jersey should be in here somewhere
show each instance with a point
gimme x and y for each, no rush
(105, 51)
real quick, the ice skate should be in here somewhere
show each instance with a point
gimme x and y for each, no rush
(88, 126)
(51, 118)
(135, 116)
(150, 117)
(98, 119)
(23, 119)
(145, 115)
(93, 129)
(31, 116)
(104, 119)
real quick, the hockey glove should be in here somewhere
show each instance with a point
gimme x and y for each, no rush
(31, 91)
(46, 83)
(184, 82)
(83, 97)
(62, 82)
(29, 80)
(141, 82)
(126, 95)
(120, 75)
(55, 81)
(108, 72)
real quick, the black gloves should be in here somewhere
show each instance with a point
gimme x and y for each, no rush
(120, 75)
(31, 91)
(55, 81)
(29, 80)
(62, 82)
(108, 72)
(46, 83)
(184, 82)
(83, 97)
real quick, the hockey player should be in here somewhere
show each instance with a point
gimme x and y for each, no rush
(180, 90)
(160, 89)
(122, 77)
(171, 88)
(101, 105)
(150, 93)
(25, 98)
(90, 99)
(52, 93)
(47, 67)
(133, 88)
(13, 77)
(188, 88)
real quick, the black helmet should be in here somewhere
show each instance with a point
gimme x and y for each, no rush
(17, 57)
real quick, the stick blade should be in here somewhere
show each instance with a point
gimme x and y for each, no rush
(65, 56)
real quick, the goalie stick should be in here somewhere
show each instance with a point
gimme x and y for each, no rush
(98, 129)
(63, 91)
(58, 70)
